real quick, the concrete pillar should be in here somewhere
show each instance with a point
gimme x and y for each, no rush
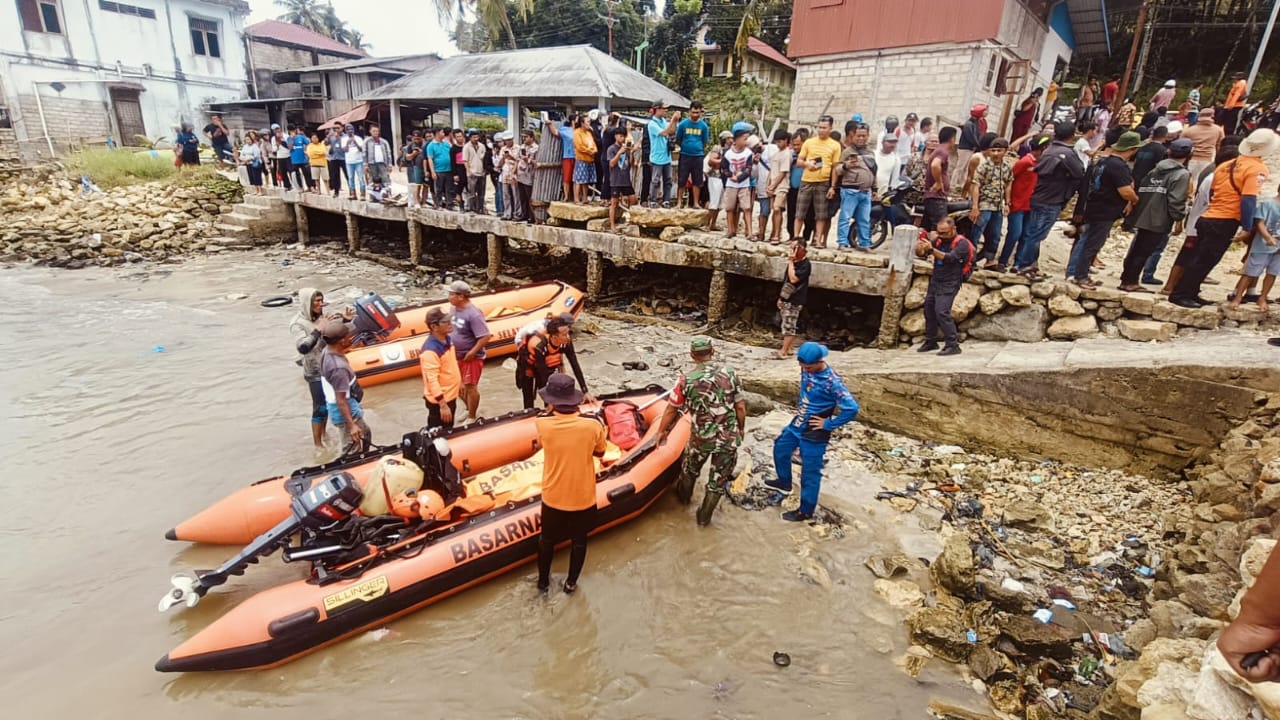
(495, 245)
(304, 227)
(595, 274)
(457, 112)
(514, 118)
(353, 231)
(602, 104)
(898, 283)
(397, 137)
(415, 242)
(718, 299)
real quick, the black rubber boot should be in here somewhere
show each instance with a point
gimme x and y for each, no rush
(684, 489)
(709, 502)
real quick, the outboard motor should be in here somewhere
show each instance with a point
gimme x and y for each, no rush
(323, 505)
(374, 320)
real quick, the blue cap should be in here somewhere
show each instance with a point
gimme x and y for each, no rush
(742, 126)
(857, 117)
(811, 352)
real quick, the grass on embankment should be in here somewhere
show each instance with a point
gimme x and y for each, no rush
(118, 168)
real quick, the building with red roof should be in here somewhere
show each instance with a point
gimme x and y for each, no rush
(762, 63)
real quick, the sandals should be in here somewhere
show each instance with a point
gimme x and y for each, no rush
(568, 588)
(1133, 288)
(1084, 284)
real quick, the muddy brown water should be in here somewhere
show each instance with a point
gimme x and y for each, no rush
(134, 397)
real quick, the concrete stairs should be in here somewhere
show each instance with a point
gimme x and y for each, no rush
(257, 217)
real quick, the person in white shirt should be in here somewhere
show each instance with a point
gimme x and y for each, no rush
(779, 181)
(1084, 143)
(888, 165)
(909, 137)
(353, 154)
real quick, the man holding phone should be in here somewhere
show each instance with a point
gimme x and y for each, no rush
(818, 155)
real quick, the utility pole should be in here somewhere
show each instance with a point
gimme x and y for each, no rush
(609, 21)
(1262, 48)
(1146, 47)
(1138, 34)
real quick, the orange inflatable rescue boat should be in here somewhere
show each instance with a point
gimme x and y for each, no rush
(388, 340)
(393, 531)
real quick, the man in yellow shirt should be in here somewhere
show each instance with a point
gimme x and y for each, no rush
(569, 441)
(818, 155)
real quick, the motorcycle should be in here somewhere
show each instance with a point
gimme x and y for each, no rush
(893, 209)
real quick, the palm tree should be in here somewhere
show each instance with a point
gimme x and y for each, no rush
(355, 39)
(748, 28)
(491, 14)
(307, 13)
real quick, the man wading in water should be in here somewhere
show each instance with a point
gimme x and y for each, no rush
(339, 381)
(307, 340)
(569, 442)
(713, 396)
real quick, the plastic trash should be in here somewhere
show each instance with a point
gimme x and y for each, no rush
(948, 450)
(1044, 615)
(971, 636)
(1145, 571)
(781, 659)
(1060, 602)
(1012, 585)
(158, 349)
(1087, 667)
(899, 452)
(1037, 478)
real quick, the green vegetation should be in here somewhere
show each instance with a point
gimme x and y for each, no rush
(117, 168)
(731, 100)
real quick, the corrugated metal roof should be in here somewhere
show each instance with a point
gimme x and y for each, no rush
(828, 27)
(576, 71)
(767, 51)
(395, 63)
(297, 35)
(1089, 26)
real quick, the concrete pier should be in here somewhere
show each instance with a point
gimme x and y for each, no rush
(861, 273)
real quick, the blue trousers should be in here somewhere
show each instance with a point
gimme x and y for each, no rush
(1149, 271)
(1038, 225)
(854, 205)
(988, 228)
(1015, 236)
(812, 457)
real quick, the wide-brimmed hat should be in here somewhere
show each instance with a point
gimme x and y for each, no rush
(1260, 143)
(460, 287)
(561, 389)
(1128, 141)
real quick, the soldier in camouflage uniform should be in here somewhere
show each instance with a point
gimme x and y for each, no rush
(711, 393)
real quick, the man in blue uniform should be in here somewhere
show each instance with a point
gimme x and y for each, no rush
(825, 404)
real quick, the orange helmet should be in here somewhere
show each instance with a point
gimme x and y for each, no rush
(429, 504)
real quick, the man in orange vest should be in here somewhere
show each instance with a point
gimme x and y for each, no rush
(543, 354)
(441, 379)
(1234, 103)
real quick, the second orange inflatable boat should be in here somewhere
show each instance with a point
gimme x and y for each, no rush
(506, 311)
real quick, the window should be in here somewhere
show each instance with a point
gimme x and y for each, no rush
(708, 69)
(312, 90)
(991, 71)
(123, 9)
(204, 37)
(40, 16)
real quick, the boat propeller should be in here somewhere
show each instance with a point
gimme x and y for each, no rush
(186, 589)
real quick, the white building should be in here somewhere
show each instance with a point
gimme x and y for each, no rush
(78, 71)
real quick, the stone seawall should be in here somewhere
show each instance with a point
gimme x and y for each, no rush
(1004, 306)
(1095, 402)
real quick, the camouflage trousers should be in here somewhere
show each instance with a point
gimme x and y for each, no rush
(723, 459)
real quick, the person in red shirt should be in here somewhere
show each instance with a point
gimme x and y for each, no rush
(1024, 184)
(1109, 92)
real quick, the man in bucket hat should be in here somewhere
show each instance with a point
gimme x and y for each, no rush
(713, 397)
(569, 441)
(825, 404)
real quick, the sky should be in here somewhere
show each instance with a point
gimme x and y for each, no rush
(391, 27)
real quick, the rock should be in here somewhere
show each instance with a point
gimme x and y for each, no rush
(888, 566)
(901, 594)
(1140, 634)
(1165, 711)
(966, 300)
(1063, 306)
(1254, 557)
(1073, 328)
(944, 711)
(1108, 294)
(578, 213)
(953, 569)
(1172, 682)
(1089, 305)
(1016, 295)
(757, 404)
(1041, 552)
(1146, 330)
(992, 302)
(1138, 303)
(671, 234)
(1208, 594)
(1218, 694)
(942, 630)
(1006, 696)
(1112, 707)
(658, 217)
(912, 323)
(1043, 289)
(986, 663)
(1266, 497)
(1036, 638)
(1110, 313)
(1029, 515)
(1018, 323)
(1205, 318)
